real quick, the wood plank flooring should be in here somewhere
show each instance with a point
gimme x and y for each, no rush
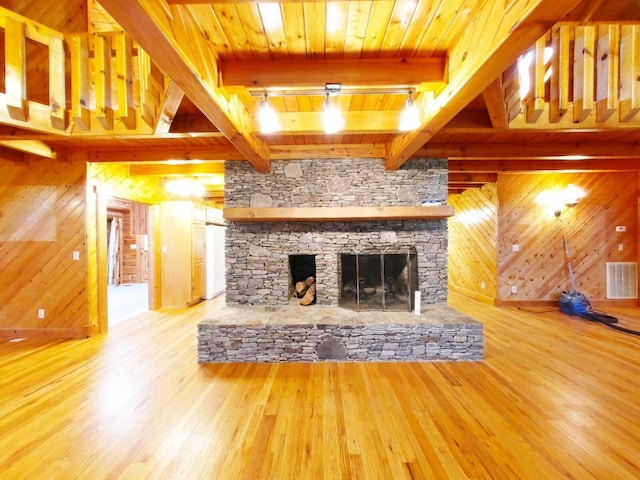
(555, 398)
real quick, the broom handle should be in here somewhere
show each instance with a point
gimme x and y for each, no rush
(566, 251)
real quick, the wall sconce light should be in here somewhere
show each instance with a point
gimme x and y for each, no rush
(267, 117)
(570, 197)
(410, 119)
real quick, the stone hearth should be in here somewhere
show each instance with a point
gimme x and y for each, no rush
(293, 333)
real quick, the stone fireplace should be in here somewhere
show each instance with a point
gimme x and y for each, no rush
(258, 268)
(367, 270)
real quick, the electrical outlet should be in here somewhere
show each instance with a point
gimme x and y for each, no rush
(621, 228)
(514, 289)
(483, 285)
(515, 247)
(76, 255)
(620, 247)
(41, 313)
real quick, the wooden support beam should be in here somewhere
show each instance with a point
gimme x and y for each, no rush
(584, 52)
(57, 88)
(34, 147)
(560, 73)
(153, 26)
(80, 82)
(169, 105)
(102, 80)
(124, 76)
(493, 97)
(16, 69)
(476, 59)
(352, 74)
(630, 65)
(607, 71)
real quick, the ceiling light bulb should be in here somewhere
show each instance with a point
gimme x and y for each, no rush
(332, 120)
(268, 119)
(410, 119)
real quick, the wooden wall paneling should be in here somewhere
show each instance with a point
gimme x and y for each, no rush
(42, 273)
(538, 270)
(472, 242)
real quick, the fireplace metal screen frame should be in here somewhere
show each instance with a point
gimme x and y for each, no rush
(411, 265)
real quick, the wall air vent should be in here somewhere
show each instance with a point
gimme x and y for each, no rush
(622, 280)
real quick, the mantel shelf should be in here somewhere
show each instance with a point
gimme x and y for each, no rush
(343, 214)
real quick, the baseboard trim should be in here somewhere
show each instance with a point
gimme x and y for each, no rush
(72, 333)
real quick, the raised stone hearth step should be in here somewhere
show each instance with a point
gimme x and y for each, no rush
(309, 334)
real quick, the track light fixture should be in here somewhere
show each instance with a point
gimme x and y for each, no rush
(332, 120)
(410, 119)
(267, 117)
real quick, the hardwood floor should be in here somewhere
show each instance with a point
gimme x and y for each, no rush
(555, 397)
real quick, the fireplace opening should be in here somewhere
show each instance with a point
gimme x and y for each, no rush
(303, 278)
(378, 281)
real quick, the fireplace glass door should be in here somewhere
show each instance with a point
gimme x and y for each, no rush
(379, 280)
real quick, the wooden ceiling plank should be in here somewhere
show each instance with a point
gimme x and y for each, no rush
(80, 83)
(493, 97)
(16, 69)
(150, 26)
(474, 61)
(607, 71)
(169, 105)
(300, 74)
(560, 71)
(472, 178)
(630, 64)
(583, 68)
(102, 80)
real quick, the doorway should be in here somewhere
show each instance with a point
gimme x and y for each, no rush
(127, 259)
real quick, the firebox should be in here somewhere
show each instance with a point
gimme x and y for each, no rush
(381, 280)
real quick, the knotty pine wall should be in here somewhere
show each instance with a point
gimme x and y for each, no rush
(539, 270)
(42, 222)
(473, 243)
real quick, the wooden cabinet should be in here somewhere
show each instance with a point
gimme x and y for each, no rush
(182, 253)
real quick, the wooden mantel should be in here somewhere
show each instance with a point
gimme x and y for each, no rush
(343, 214)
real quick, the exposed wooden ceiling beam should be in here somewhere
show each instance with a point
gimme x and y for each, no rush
(472, 178)
(474, 61)
(538, 150)
(278, 152)
(166, 169)
(540, 166)
(151, 25)
(352, 74)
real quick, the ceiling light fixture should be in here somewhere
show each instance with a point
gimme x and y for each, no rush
(410, 119)
(267, 117)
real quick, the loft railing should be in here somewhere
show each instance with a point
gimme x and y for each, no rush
(114, 85)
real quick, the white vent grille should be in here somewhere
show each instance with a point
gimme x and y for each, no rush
(622, 280)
